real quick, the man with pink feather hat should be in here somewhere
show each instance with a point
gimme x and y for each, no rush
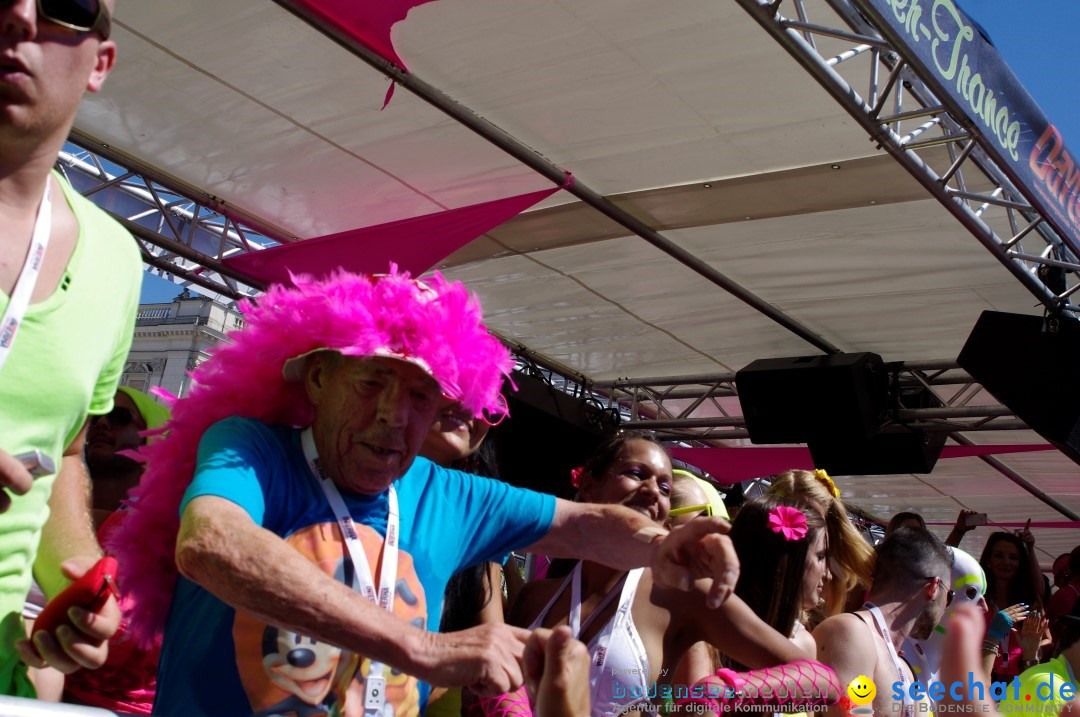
(286, 512)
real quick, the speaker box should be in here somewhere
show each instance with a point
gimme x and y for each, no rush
(1035, 372)
(793, 400)
(885, 454)
(547, 434)
(911, 451)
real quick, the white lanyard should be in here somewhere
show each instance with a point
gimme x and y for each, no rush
(879, 620)
(24, 285)
(374, 683)
(626, 594)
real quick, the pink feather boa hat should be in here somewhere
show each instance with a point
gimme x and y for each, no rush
(436, 325)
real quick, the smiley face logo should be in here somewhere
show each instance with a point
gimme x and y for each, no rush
(862, 690)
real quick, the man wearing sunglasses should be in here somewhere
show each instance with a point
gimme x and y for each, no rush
(908, 597)
(69, 283)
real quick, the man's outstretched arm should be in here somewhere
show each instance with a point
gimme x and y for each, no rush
(222, 549)
(619, 537)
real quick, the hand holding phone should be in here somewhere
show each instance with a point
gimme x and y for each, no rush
(16, 476)
(88, 592)
(974, 520)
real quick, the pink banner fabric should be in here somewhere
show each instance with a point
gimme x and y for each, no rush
(1006, 524)
(368, 21)
(415, 245)
(731, 465)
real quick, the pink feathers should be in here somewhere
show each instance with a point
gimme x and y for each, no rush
(436, 322)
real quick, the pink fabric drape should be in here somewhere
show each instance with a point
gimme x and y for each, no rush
(730, 465)
(369, 21)
(416, 244)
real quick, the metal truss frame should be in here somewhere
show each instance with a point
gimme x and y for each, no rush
(183, 234)
(667, 405)
(900, 110)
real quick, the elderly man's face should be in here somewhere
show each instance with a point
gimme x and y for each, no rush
(44, 70)
(371, 416)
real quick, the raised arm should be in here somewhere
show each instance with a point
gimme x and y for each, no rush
(733, 628)
(222, 549)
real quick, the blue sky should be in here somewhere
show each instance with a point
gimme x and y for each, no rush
(1038, 39)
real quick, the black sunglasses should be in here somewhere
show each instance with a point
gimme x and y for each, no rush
(118, 417)
(81, 15)
(949, 594)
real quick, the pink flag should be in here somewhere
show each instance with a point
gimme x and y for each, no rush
(415, 245)
(731, 465)
(368, 21)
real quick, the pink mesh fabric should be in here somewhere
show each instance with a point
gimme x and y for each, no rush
(794, 686)
(511, 704)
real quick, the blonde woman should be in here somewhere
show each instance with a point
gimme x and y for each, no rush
(851, 558)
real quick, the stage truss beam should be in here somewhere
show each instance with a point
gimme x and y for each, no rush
(905, 116)
(184, 235)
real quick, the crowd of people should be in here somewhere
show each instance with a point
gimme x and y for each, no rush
(319, 527)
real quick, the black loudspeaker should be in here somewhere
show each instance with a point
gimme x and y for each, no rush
(1032, 366)
(547, 434)
(911, 451)
(794, 400)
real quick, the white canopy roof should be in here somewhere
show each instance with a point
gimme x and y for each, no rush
(684, 113)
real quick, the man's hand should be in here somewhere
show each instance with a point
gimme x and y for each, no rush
(960, 659)
(557, 672)
(485, 659)
(70, 649)
(13, 477)
(698, 550)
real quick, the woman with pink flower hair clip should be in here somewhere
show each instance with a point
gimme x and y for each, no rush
(783, 548)
(851, 558)
(636, 631)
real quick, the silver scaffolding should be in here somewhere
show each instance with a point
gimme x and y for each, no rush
(907, 114)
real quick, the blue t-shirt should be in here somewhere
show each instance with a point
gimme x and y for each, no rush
(217, 661)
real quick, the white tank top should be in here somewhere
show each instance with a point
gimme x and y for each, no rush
(619, 672)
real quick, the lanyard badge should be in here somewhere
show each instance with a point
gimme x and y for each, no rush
(363, 583)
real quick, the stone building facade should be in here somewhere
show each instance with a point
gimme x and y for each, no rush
(172, 339)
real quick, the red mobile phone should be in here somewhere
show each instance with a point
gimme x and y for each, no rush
(89, 592)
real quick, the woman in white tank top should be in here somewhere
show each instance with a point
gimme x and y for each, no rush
(636, 631)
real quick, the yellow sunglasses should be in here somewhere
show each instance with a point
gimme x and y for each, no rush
(675, 512)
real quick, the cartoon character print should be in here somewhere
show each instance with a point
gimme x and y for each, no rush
(290, 675)
(303, 667)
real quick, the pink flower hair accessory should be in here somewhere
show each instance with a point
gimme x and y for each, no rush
(575, 476)
(787, 521)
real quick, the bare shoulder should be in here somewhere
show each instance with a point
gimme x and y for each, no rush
(846, 633)
(840, 626)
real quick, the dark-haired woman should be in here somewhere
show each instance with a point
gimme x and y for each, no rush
(782, 575)
(1012, 578)
(635, 630)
